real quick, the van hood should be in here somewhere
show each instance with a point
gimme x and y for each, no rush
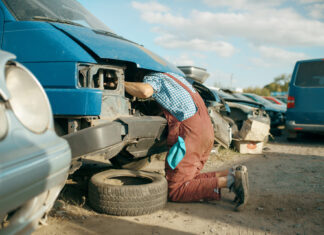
(109, 46)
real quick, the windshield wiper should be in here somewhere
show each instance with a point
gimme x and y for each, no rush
(108, 33)
(44, 18)
(111, 34)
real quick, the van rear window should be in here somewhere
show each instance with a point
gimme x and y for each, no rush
(310, 74)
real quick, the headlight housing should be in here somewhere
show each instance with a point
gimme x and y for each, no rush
(27, 98)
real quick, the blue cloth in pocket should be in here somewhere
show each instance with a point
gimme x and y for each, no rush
(176, 153)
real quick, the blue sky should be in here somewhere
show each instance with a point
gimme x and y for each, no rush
(241, 43)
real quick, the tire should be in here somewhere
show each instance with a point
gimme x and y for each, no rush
(127, 192)
(125, 160)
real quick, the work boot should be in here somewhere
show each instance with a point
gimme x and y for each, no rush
(241, 187)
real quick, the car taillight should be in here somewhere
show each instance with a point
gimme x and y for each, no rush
(291, 102)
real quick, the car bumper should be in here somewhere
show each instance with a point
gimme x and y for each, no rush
(137, 134)
(27, 187)
(293, 126)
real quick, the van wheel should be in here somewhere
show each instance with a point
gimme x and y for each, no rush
(125, 160)
(127, 192)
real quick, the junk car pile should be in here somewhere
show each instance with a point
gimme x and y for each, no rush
(233, 119)
(82, 66)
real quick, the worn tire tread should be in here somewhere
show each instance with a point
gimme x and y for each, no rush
(129, 200)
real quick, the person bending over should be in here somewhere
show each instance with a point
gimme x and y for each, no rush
(188, 118)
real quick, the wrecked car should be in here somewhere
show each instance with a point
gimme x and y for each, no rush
(34, 161)
(242, 110)
(274, 100)
(228, 117)
(82, 65)
(276, 112)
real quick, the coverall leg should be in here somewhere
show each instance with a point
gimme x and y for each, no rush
(185, 183)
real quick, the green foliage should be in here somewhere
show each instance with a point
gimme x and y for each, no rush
(257, 90)
(279, 83)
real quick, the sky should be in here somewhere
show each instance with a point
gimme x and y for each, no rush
(241, 43)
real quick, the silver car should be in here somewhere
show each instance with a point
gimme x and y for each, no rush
(34, 161)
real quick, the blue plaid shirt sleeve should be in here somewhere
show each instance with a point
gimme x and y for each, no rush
(154, 81)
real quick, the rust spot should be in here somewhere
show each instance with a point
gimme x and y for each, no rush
(251, 145)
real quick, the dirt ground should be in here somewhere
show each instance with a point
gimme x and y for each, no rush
(286, 197)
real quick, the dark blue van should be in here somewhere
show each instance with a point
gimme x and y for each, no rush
(82, 65)
(305, 107)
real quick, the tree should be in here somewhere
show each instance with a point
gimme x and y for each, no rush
(257, 90)
(279, 84)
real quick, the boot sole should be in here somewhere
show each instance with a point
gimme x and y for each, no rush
(243, 174)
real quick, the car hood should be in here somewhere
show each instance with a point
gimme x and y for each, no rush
(109, 46)
(245, 108)
(276, 108)
(245, 102)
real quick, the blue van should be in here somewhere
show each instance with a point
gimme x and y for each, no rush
(305, 107)
(82, 65)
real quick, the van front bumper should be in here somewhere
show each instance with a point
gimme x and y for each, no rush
(295, 127)
(139, 135)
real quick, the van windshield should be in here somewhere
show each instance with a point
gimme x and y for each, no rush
(62, 11)
(310, 74)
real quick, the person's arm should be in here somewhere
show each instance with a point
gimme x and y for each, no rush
(139, 89)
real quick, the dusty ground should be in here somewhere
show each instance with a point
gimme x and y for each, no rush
(286, 197)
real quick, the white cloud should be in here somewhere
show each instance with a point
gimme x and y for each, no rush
(182, 60)
(154, 12)
(309, 1)
(264, 26)
(280, 55)
(270, 57)
(150, 6)
(243, 4)
(221, 48)
(316, 11)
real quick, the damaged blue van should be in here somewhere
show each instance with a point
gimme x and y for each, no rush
(82, 65)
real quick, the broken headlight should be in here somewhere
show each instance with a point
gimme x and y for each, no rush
(104, 77)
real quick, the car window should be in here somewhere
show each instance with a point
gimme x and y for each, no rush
(310, 74)
(63, 11)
